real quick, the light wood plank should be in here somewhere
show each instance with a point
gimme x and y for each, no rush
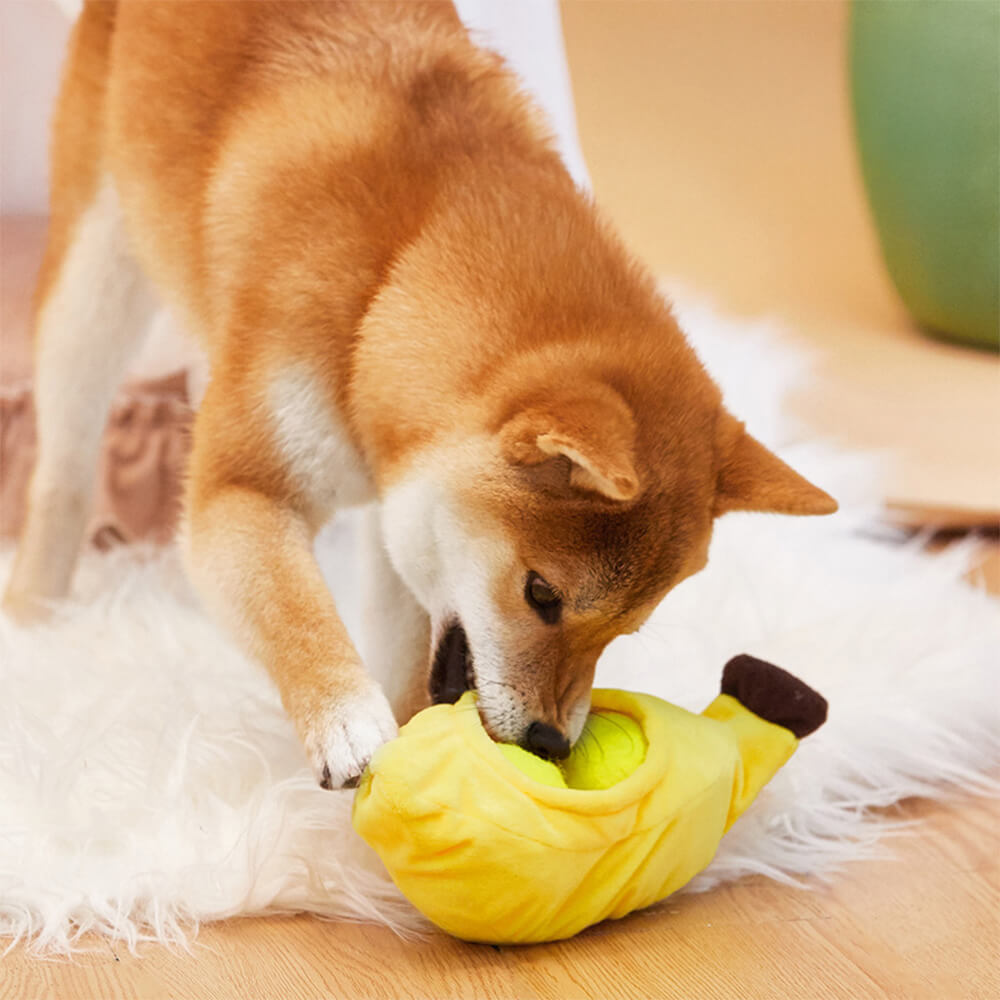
(922, 924)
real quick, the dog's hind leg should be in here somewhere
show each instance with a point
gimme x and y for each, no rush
(92, 306)
(89, 322)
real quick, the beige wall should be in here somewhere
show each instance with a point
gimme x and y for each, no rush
(718, 136)
(32, 39)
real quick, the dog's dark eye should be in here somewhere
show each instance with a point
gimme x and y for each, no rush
(543, 598)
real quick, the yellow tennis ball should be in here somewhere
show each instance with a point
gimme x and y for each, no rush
(538, 768)
(611, 747)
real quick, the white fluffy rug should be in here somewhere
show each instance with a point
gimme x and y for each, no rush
(149, 781)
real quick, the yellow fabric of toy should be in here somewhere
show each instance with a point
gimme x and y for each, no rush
(489, 854)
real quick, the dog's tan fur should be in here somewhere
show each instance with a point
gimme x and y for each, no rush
(405, 300)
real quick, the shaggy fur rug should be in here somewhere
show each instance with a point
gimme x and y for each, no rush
(149, 780)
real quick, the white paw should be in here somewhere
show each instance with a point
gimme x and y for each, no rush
(347, 735)
(24, 609)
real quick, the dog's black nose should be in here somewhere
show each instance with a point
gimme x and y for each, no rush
(546, 741)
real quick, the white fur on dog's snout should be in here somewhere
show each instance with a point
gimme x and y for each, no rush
(449, 569)
(577, 717)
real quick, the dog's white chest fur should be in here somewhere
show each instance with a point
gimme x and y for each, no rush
(314, 445)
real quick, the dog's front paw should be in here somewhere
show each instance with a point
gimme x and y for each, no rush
(346, 734)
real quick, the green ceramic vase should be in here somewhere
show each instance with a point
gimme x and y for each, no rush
(925, 82)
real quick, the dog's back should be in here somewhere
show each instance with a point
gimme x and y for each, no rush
(231, 127)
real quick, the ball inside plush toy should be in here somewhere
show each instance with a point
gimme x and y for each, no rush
(534, 767)
(610, 748)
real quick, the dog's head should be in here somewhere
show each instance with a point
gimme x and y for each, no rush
(561, 526)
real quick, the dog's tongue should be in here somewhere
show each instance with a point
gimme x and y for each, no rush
(449, 675)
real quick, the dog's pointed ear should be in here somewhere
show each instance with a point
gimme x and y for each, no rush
(592, 427)
(753, 478)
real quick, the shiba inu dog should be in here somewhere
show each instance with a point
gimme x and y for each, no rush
(406, 303)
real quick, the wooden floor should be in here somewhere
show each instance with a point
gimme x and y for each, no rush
(697, 173)
(924, 924)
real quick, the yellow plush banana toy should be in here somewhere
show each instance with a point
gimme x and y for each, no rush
(493, 844)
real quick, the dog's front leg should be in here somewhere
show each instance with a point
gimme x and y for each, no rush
(251, 558)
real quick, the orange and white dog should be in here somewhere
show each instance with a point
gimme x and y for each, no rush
(406, 303)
